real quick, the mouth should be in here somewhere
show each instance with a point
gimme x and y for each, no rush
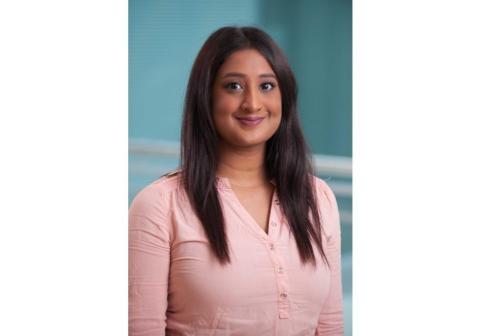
(250, 121)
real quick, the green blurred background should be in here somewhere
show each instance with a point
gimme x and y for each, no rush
(316, 35)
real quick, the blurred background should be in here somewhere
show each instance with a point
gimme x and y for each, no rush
(316, 35)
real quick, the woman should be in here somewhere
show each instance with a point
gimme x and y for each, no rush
(243, 239)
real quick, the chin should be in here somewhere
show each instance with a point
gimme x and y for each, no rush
(251, 142)
(246, 139)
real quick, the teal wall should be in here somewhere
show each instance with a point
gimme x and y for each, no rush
(317, 35)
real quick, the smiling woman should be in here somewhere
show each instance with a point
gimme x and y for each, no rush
(243, 239)
(247, 104)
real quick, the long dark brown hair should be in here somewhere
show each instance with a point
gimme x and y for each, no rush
(287, 158)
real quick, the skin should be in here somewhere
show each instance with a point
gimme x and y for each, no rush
(246, 85)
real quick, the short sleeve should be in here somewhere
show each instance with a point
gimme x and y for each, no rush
(148, 262)
(330, 322)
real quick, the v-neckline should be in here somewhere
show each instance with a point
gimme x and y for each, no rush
(247, 214)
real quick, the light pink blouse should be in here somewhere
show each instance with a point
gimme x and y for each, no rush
(177, 287)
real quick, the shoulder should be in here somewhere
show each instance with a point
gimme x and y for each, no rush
(327, 205)
(149, 216)
(153, 200)
(324, 192)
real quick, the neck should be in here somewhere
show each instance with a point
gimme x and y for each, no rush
(244, 167)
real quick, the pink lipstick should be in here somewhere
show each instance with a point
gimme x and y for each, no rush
(250, 121)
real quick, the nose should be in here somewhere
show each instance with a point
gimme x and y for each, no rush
(251, 101)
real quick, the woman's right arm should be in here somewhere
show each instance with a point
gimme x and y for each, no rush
(148, 263)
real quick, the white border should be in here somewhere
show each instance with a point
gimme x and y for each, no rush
(63, 131)
(415, 168)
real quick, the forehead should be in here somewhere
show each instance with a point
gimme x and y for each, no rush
(248, 61)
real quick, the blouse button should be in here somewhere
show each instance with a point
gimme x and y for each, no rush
(283, 295)
(274, 223)
(272, 246)
(280, 270)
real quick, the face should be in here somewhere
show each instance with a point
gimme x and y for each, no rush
(246, 100)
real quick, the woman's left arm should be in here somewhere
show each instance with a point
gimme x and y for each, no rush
(330, 321)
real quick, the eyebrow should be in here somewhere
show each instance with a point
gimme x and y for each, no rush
(239, 74)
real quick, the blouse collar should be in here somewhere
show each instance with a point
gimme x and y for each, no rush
(224, 183)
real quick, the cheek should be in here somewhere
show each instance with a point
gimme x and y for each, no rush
(222, 110)
(275, 108)
(274, 103)
(224, 105)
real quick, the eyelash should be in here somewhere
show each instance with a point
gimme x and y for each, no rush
(269, 83)
(229, 86)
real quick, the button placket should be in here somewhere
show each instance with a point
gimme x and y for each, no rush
(283, 299)
(279, 215)
(273, 218)
(277, 260)
(281, 279)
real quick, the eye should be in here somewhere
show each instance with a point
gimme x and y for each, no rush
(233, 86)
(267, 86)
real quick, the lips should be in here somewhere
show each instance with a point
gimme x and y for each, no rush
(250, 120)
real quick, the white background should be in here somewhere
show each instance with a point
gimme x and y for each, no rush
(63, 179)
